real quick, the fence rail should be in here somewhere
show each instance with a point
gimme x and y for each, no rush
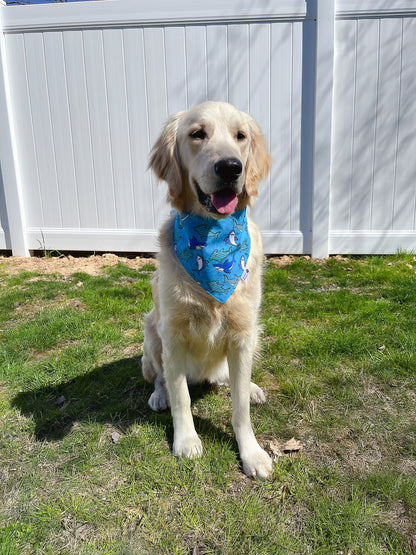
(85, 88)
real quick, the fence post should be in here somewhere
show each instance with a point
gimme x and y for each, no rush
(321, 173)
(9, 169)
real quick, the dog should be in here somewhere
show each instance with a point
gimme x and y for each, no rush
(205, 327)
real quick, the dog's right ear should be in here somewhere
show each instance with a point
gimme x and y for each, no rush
(164, 158)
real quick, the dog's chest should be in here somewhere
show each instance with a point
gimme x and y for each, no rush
(207, 328)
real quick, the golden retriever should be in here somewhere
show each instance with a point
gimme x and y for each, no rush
(212, 158)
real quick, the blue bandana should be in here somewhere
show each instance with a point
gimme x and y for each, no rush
(213, 252)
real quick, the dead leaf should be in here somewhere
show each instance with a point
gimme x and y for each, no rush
(115, 436)
(276, 449)
(292, 446)
(273, 447)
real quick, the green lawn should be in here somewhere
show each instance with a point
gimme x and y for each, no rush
(86, 467)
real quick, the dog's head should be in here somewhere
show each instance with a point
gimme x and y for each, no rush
(212, 157)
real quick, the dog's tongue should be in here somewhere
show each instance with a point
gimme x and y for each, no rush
(224, 202)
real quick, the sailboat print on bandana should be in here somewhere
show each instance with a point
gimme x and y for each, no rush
(213, 252)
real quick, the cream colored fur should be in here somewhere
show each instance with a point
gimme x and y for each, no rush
(188, 334)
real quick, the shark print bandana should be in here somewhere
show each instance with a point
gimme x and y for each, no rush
(213, 252)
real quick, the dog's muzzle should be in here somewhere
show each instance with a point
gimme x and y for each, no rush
(224, 199)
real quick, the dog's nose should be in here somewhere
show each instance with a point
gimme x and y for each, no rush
(228, 169)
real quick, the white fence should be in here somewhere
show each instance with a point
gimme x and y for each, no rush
(85, 88)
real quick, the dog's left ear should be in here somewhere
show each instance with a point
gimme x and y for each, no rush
(259, 160)
(164, 158)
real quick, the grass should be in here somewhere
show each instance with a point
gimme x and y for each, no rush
(86, 468)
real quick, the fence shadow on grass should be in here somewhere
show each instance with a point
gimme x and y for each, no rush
(113, 394)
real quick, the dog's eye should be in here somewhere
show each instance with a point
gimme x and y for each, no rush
(240, 136)
(198, 134)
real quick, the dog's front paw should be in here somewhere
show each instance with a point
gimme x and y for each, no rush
(189, 446)
(159, 400)
(257, 396)
(257, 463)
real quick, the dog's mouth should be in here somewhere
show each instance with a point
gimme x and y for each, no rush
(222, 202)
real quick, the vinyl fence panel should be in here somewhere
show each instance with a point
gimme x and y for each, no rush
(86, 87)
(373, 180)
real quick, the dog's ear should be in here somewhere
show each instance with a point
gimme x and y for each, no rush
(164, 158)
(259, 160)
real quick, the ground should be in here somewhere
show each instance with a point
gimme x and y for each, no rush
(67, 265)
(86, 466)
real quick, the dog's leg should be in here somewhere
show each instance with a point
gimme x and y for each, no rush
(152, 368)
(256, 462)
(186, 442)
(152, 349)
(159, 399)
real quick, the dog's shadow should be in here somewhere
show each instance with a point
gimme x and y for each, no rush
(114, 394)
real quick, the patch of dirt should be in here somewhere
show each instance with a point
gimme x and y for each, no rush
(77, 531)
(67, 265)
(282, 261)
(358, 456)
(42, 355)
(239, 485)
(399, 519)
(286, 260)
(93, 265)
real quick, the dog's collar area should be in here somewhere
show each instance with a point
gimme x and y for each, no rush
(214, 252)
